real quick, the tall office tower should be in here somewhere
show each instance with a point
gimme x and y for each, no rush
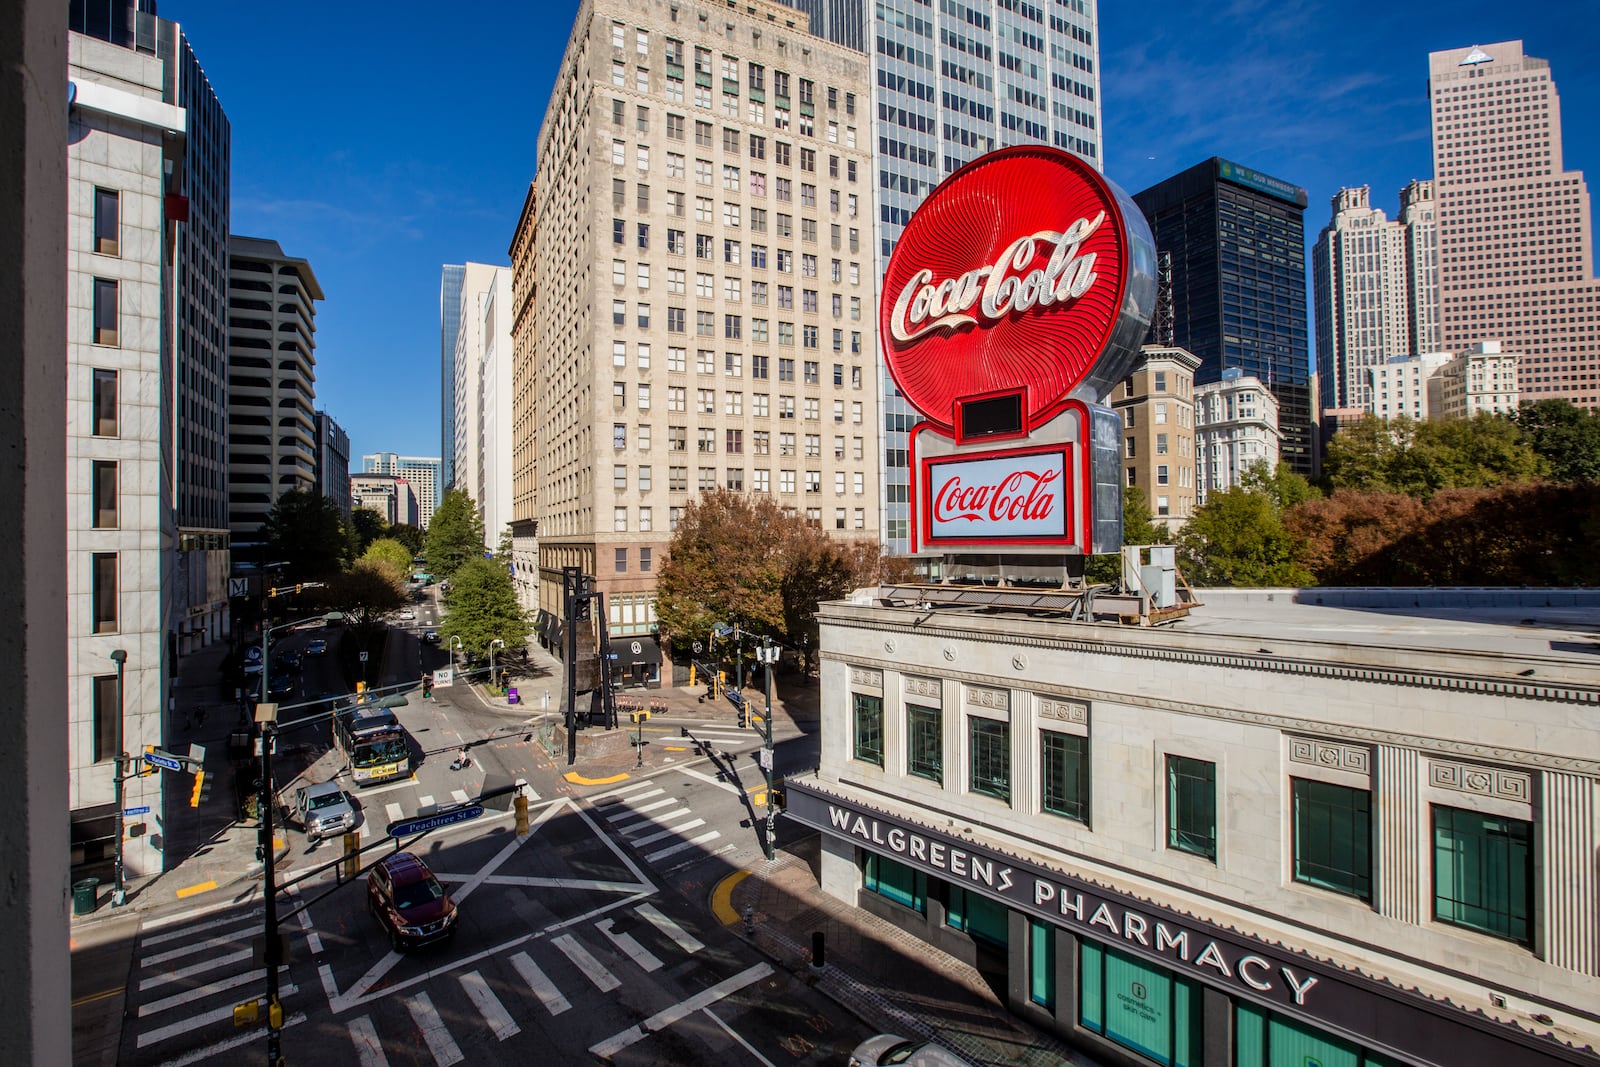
(840, 21)
(1237, 241)
(478, 281)
(1515, 253)
(1235, 428)
(121, 570)
(739, 352)
(1156, 404)
(525, 409)
(333, 462)
(272, 376)
(1420, 219)
(420, 472)
(450, 279)
(1358, 271)
(954, 80)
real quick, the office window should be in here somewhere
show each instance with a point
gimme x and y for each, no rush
(105, 311)
(1161, 381)
(1333, 837)
(621, 560)
(868, 731)
(103, 477)
(105, 403)
(103, 592)
(644, 437)
(644, 487)
(1192, 806)
(106, 712)
(925, 742)
(1483, 873)
(646, 556)
(1064, 774)
(619, 436)
(107, 221)
(989, 752)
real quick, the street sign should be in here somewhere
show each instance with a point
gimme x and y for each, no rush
(363, 657)
(764, 759)
(145, 810)
(165, 760)
(238, 587)
(444, 677)
(411, 827)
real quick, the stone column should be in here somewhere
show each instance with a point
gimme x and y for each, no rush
(1568, 899)
(1402, 850)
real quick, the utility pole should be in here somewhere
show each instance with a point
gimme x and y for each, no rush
(118, 895)
(769, 655)
(267, 716)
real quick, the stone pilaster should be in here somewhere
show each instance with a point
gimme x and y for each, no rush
(1402, 849)
(1568, 898)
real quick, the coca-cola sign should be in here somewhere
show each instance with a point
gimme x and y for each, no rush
(1024, 272)
(1002, 497)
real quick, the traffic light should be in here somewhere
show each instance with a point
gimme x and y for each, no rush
(199, 784)
(520, 807)
(146, 768)
(744, 716)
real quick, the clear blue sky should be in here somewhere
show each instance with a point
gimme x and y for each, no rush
(383, 141)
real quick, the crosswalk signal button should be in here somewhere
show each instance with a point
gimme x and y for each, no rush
(275, 1015)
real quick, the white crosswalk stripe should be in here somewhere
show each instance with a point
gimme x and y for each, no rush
(211, 964)
(434, 1033)
(642, 823)
(671, 831)
(592, 968)
(369, 1050)
(494, 1013)
(191, 1023)
(459, 796)
(671, 850)
(620, 791)
(647, 960)
(662, 922)
(631, 811)
(394, 811)
(551, 997)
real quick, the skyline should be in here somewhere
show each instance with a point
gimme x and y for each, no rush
(378, 207)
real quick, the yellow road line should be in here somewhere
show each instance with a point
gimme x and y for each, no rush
(203, 887)
(578, 779)
(92, 997)
(722, 898)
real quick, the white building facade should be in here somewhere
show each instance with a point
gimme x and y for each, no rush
(1405, 387)
(1481, 380)
(422, 472)
(495, 459)
(477, 281)
(1235, 428)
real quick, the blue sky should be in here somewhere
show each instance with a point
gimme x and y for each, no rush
(383, 141)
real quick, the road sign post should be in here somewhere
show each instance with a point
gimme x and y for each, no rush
(165, 760)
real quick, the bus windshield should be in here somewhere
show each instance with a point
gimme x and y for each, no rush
(378, 750)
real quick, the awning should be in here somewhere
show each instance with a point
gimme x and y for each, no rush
(644, 648)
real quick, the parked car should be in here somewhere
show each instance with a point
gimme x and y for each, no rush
(892, 1049)
(317, 647)
(323, 810)
(409, 902)
(408, 615)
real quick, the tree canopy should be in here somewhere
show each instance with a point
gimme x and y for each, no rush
(1565, 436)
(365, 593)
(455, 535)
(366, 526)
(1422, 458)
(390, 556)
(1138, 528)
(307, 533)
(1237, 537)
(483, 606)
(410, 536)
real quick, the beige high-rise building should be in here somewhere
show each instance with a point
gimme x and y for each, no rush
(1156, 403)
(1516, 257)
(524, 411)
(705, 176)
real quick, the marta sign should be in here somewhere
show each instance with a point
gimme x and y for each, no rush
(1017, 295)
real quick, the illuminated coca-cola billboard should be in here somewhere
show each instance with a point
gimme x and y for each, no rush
(1017, 295)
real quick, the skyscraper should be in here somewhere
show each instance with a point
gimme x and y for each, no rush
(420, 472)
(1515, 244)
(1237, 240)
(449, 322)
(482, 395)
(1376, 289)
(333, 461)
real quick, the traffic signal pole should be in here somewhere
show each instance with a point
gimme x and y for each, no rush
(768, 655)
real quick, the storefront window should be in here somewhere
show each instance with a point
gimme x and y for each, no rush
(1140, 1006)
(925, 755)
(1265, 1039)
(1483, 873)
(868, 728)
(989, 748)
(1042, 964)
(979, 916)
(897, 882)
(1333, 837)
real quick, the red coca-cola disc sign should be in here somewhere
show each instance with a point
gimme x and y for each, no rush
(1011, 275)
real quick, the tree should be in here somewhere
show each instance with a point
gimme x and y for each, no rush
(1348, 538)
(1286, 488)
(307, 532)
(393, 558)
(367, 526)
(1566, 436)
(455, 535)
(1138, 528)
(817, 569)
(408, 535)
(483, 607)
(725, 562)
(365, 593)
(1237, 537)
(502, 550)
(1423, 458)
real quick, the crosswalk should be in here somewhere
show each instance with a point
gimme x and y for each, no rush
(657, 824)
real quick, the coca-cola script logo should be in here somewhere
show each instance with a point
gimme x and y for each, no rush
(1024, 494)
(998, 497)
(1012, 274)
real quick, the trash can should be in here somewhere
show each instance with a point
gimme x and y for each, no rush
(83, 896)
(512, 697)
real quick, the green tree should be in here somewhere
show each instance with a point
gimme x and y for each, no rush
(1566, 436)
(1424, 458)
(1138, 528)
(817, 568)
(1286, 488)
(408, 535)
(391, 556)
(365, 593)
(1237, 537)
(307, 532)
(502, 550)
(455, 535)
(483, 606)
(366, 526)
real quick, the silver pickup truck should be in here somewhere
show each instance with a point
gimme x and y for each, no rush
(324, 810)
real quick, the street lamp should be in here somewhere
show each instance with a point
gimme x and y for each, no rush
(455, 643)
(492, 643)
(119, 657)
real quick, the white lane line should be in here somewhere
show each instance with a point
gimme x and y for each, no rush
(374, 790)
(714, 1017)
(424, 805)
(651, 857)
(229, 939)
(459, 796)
(394, 811)
(313, 939)
(195, 1022)
(369, 1050)
(231, 1043)
(249, 918)
(645, 822)
(627, 811)
(617, 792)
(708, 779)
(494, 1013)
(647, 960)
(650, 839)
(627, 803)
(667, 1016)
(189, 995)
(540, 983)
(189, 972)
(592, 968)
(657, 918)
(440, 1043)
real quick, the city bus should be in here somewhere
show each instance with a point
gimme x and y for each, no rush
(374, 743)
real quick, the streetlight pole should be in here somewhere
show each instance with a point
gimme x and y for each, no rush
(119, 657)
(455, 643)
(502, 644)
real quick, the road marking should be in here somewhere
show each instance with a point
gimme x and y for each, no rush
(609, 801)
(676, 748)
(643, 822)
(459, 796)
(425, 805)
(545, 883)
(231, 1043)
(369, 1050)
(191, 890)
(440, 1043)
(577, 779)
(540, 983)
(394, 811)
(231, 982)
(601, 797)
(494, 1013)
(718, 782)
(195, 1022)
(722, 898)
(655, 917)
(625, 812)
(194, 928)
(667, 1016)
(313, 939)
(693, 860)
(592, 969)
(229, 940)
(680, 846)
(668, 832)
(647, 960)
(374, 790)
(199, 968)
(714, 1017)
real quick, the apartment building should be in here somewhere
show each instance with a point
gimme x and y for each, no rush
(1157, 405)
(481, 395)
(1484, 379)
(1235, 428)
(1515, 228)
(272, 361)
(1405, 387)
(704, 272)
